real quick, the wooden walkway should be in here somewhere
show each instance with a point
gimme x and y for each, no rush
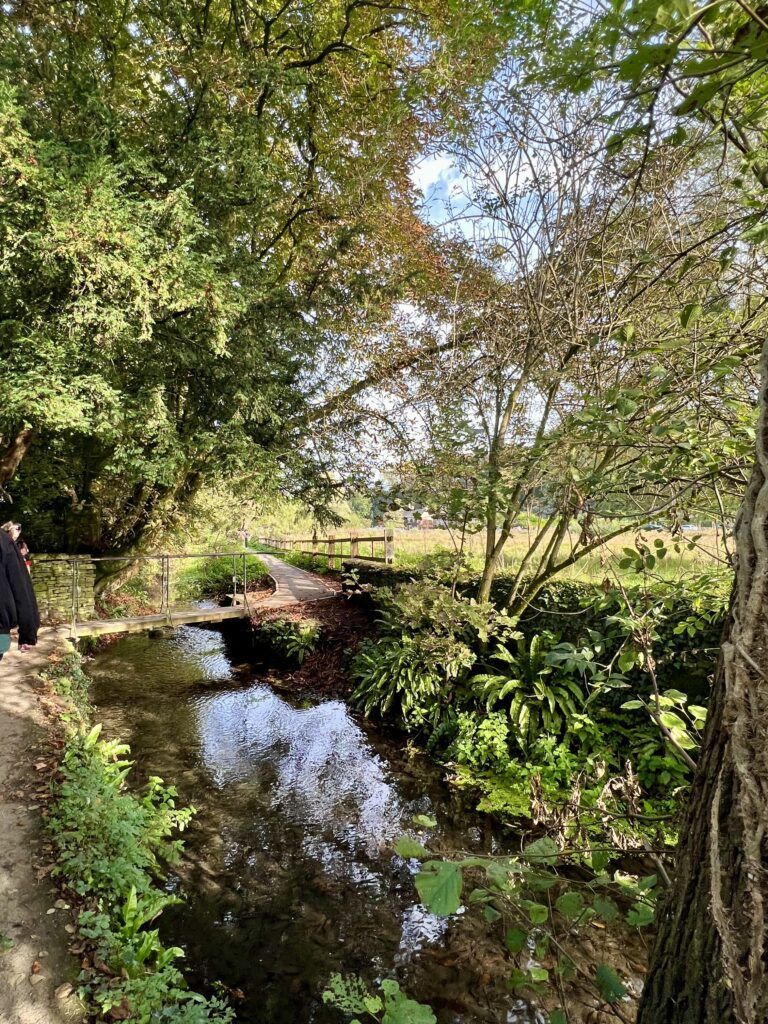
(292, 586)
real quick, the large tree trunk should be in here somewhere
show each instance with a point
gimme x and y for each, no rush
(11, 458)
(710, 960)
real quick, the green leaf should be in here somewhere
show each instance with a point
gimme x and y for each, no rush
(599, 859)
(425, 820)
(407, 847)
(605, 907)
(516, 939)
(402, 1010)
(537, 912)
(538, 974)
(632, 705)
(542, 851)
(640, 915)
(691, 314)
(491, 915)
(611, 987)
(557, 1017)
(440, 888)
(570, 905)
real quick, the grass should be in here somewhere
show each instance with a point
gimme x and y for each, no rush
(412, 547)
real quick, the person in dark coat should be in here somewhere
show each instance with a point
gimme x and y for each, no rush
(18, 604)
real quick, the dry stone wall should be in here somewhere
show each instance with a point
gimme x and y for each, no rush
(53, 576)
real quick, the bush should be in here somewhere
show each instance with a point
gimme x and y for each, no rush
(289, 641)
(429, 642)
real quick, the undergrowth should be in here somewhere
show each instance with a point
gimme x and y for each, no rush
(112, 847)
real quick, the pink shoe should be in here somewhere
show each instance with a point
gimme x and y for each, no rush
(23, 648)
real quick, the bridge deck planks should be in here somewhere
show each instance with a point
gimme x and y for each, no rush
(100, 627)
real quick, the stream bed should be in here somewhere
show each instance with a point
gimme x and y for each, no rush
(288, 873)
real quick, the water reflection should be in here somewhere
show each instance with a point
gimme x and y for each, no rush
(289, 873)
(321, 771)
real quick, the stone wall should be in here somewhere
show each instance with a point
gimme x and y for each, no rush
(52, 576)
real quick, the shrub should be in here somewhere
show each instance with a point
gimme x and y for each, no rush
(111, 847)
(429, 643)
(290, 641)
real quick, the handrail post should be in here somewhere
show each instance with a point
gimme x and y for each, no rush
(354, 547)
(331, 556)
(314, 546)
(389, 546)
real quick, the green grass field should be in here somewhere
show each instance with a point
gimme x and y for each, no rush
(413, 547)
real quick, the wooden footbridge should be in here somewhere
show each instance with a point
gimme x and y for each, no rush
(292, 586)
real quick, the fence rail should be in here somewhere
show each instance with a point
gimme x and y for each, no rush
(334, 547)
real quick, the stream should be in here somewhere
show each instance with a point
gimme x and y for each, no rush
(288, 873)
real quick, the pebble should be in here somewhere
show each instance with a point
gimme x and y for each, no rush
(35, 979)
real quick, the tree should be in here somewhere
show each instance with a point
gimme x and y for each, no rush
(706, 63)
(589, 352)
(198, 198)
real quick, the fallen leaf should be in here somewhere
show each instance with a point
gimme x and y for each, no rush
(63, 991)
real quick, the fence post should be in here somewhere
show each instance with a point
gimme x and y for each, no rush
(331, 550)
(389, 546)
(314, 545)
(354, 547)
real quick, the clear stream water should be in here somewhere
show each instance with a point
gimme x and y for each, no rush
(289, 873)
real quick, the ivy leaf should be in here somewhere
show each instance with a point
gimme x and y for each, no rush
(610, 984)
(439, 888)
(557, 1017)
(491, 915)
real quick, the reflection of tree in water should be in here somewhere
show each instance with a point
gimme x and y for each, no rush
(320, 770)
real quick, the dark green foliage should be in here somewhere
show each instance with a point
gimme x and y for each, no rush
(289, 641)
(523, 712)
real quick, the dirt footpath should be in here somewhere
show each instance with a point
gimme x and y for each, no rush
(35, 966)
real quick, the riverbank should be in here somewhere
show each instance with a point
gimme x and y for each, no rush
(36, 971)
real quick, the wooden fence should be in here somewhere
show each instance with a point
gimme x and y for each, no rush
(337, 549)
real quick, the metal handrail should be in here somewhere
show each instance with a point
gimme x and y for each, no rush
(75, 561)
